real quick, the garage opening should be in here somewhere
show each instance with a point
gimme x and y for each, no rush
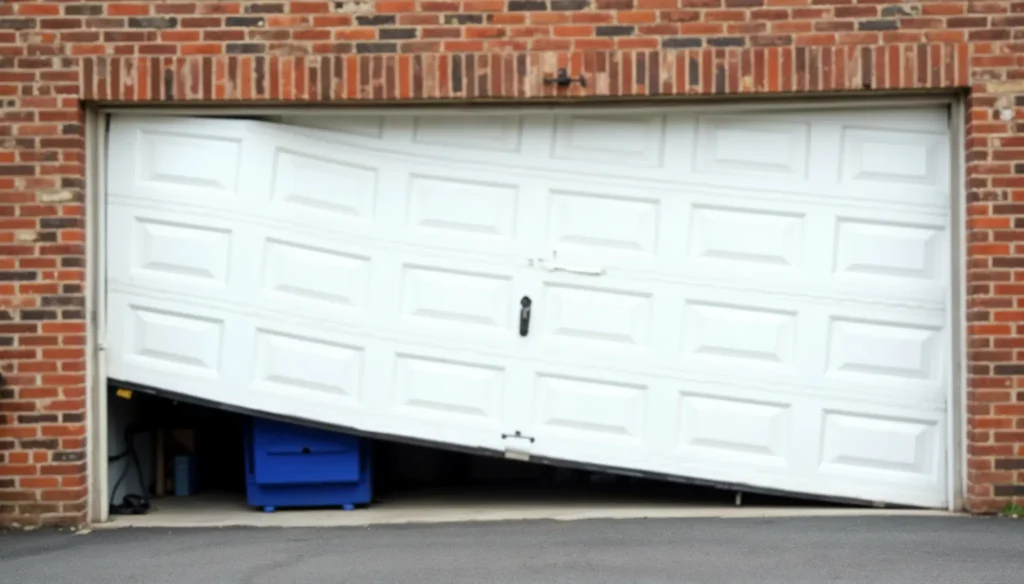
(719, 295)
(177, 463)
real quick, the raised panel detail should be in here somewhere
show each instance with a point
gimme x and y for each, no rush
(749, 144)
(312, 274)
(599, 224)
(746, 235)
(175, 341)
(868, 249)
(636, 139)
(180, 250)
(729, 426)
(881, 349)
(448, 297)
(200, 164)
(294, 365)
(493, 133)
(893, 157)
(857, 443)
(318, 184)
(742, 334)
(590, 408)
(440, 387)
(463, 207)
(593, 315)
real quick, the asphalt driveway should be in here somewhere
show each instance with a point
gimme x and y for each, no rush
(877, 550)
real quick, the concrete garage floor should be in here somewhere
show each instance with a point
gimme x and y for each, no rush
(457, 505)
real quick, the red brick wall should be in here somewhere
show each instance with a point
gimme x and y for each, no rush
(58, 55)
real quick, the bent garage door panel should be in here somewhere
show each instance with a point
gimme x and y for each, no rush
(756, 298)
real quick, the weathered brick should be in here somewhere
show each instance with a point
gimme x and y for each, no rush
(29, 315)
(396, 34)
(613, 31)
(17, 23)
(569, 5)
(376, 20)
(1009, 464)
(726, 41)
(36, 444)
(265, 8)
(244, 21)
(681, 42)
(527, 5)
(877, 25)
(463, 18)
(75, 456)
(83, 9)
(370, 48)
(1008, 491)
(154, 22)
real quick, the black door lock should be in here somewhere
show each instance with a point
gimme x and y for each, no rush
(524, 316)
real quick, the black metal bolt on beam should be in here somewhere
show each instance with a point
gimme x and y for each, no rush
(562, 79)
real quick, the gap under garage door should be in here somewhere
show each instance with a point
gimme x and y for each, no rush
(755, 299)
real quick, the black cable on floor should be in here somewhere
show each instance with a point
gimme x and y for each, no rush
(131, 504)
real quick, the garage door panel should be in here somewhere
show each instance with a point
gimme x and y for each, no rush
(164, 343)
(485, 134)
(722, 296)
(164, 338)
(640, 139)
(375, 385)
(734, 429)
(588, 224)
(459, 208)
(596, 417)
(457, 299)
(314, 280)
(588, 315)
(299, 370)
(199, 162)
(162, 249)
(842, 450)
(857, 444)
(445, 389)
(891, 165)
(309, 365)
(751, 237)
(309, 182)
(717, 332)
(784, 244)
(751, 145)
(893, 352)
(899, 258)
(782, 345)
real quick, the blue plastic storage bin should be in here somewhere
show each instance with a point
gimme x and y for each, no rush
(295, 466)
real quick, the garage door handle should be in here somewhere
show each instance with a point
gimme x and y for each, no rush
(524, 316)
(557, 267)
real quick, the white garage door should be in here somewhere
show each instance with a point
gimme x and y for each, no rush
(755, 298)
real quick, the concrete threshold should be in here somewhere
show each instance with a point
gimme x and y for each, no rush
(439, 508)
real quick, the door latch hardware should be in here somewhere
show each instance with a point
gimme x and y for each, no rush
(519, 435)
(552, 265)
(524, 316)
(563, 79)
(556, 267)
